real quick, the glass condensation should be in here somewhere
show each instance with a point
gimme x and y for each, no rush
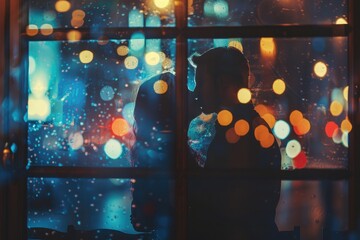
(100, 14)
(99, 204)
(302, 95)
(265, 12)
(82, 97)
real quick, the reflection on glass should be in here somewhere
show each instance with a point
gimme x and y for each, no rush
(265, 12)
(82, 98)
(302, 97)
(130, 206)
(99, 14)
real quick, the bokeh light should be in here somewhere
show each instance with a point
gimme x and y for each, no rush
(122, 50)
(113, 148)
(279, 86)
(224, 117)
(107, 93)
(346, 93)
(346, 125)
(261, 109)
(269, 119)
(231, 136)
(78, 14)
(131, 62)
(32, 30)
(336, 108)
(161, 3)
(241, 127)
(281, 129)
(160, 87)
(330, 128)
(293, 148)
(120, 127)
(267, 46)
(303, 127)
(86, 56)
(295, 117)
(75, 140)
(46, 29)
(267, 140)
(337, 136)
(237, 45)
(62, 6)
(341, 21)
(345, 139)
(320, 69)
(137, 41)
(300, 160)
(221, 9)
(261, 132)
(152, 58)
(73, 36)
(244, 95)
(38, 108)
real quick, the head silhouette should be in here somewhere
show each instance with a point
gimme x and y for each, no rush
(220, 73)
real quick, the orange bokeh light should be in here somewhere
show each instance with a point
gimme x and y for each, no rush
(120, 127)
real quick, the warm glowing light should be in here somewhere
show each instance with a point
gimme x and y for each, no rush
(231, 136)
(293, 148)
(224, 117)
(261, 109)
(237, 45)
(279, 86)
(76, 23)
(46, 29)
(131, 62)
(341, 21)
(38, 108)
(267, 141)
(336, 108)
(300, 160)
(267, 46)
(346, 93)
(269, 119)
(281, 129)
(160, 87)
(167, 63)
(330, 128)
(62, 6)
(32, 30)
(320, 69)
(303, 127)
(78, 14)
(295, 117)
(241, 127)
(244, 95)
(152, 58)
(113, 149)
(261, 132)
(120, 127)
(122, 50)
(346, 125)
(161, 3)
(86, 56)
(73, 36)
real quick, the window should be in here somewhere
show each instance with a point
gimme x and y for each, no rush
(76, 73)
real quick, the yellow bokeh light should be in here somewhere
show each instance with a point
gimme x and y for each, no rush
(131, 62)
(78, 14)
(267, 46)
(32, 30)
(346, 93)
(320, 69)
(244, 95)
(73, 36)
(62, 6)
(160, 87)
(161, 3)
(152, 58)
(336, 108)
(46, 29)
(341, 21)
(224, 117)
(241, 127)
(279, 86)
(86, 56)
(269, 119)
(295, 117)
(231, 136)
(122, 50)
(167, 63)
(38, 108)
(261, 132)
(237, 45)
(346, 125)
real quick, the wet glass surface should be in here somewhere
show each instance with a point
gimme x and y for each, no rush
(265, 12)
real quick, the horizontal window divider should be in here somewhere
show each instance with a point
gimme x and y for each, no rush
(107, 172)
(283, 31)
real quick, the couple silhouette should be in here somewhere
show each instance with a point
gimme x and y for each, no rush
(221, 207)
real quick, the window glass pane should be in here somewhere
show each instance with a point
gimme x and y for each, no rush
(297, 100)
(258, 209)
(131, 206)
(265, 12)
(82, 97)
(99, 14)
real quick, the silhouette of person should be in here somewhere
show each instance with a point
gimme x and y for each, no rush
(225, 207)
(153, 205)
